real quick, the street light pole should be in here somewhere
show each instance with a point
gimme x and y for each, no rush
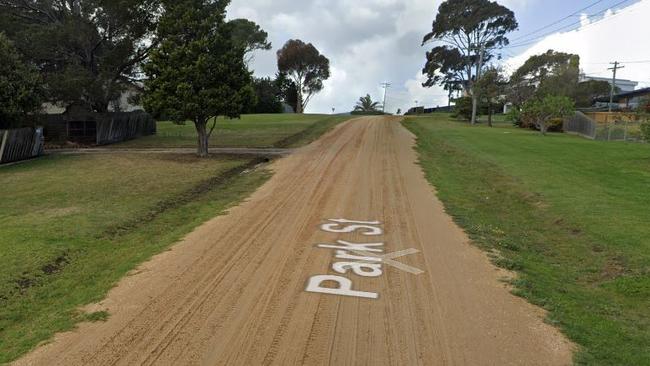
(385, 85)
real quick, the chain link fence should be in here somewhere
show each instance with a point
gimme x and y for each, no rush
(605, 126)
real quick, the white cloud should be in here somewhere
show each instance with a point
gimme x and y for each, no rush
(368, 43)
(372, 41)
(618, 36)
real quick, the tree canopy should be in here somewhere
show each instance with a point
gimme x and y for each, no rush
(268, 99)
(251, 36)
(366, 104)
(469, 31)
(88, 51)
(287, 90)
(20, 86)
(198, 72)
(303, 64)
(589, 90)
(491, 86)
(552, 72)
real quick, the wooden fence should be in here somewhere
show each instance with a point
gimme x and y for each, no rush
(124, 126)
(20, 144)
(97, 128)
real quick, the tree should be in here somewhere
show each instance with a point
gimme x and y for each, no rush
(198, 72)
(20, 86)
(267, 97)
(540, 111)
(366, 104)
(287, 90)
(305, 67)
(491, 86)
(469, 30)
(587, 91)
(250, 36)
(88, 51)
(445, 67)
(555, 73)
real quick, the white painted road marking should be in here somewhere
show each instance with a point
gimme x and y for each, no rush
(366, 262)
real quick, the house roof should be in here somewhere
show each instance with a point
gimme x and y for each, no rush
(631, 94)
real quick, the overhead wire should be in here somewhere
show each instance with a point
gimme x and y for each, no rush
(579, 23)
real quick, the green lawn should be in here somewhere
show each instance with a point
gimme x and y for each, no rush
(271, 130)
(72, 226)
(570, 216)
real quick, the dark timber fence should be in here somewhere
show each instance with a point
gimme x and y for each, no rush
(81, 126)
(20, 144)
(119, 127)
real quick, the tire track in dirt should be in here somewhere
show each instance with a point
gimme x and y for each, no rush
(233, 291)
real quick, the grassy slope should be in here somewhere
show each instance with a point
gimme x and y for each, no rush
(270, 130)
(73, 225)
(569, 215)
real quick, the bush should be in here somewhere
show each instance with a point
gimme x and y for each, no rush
(645, 131)
(514, 116)
(20, 86)
(547, 113)
(463, 108)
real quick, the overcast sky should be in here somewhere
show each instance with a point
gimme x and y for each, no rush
(372, 41)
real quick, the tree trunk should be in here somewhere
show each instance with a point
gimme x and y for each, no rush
(490, 114)
(474, 107)
(202, 133)
(299, 103)
(479, 67)
(542, 127)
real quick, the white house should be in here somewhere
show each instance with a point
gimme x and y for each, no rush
(622, 84)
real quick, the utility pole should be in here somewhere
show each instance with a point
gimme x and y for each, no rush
(385, 85)
(611, 93)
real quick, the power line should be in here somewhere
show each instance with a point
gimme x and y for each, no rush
(535, 39)
(559, 21)
(624, 62)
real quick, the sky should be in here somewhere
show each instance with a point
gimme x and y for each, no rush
(369, 42)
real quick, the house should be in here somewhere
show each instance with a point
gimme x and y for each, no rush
(622, 84)
(627, 100)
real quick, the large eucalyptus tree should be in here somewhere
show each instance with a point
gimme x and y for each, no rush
(466, 33)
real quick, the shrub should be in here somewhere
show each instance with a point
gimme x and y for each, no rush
(463, 108)
(547, 112)
(514, 116)
(20, 86)
(645, 131)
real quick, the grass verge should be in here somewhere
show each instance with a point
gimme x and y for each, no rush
(72, 226)
(568, 215)
(254, 131)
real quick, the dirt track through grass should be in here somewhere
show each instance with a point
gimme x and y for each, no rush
(234, 291)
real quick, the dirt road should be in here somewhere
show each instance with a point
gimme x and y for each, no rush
(234, 292)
